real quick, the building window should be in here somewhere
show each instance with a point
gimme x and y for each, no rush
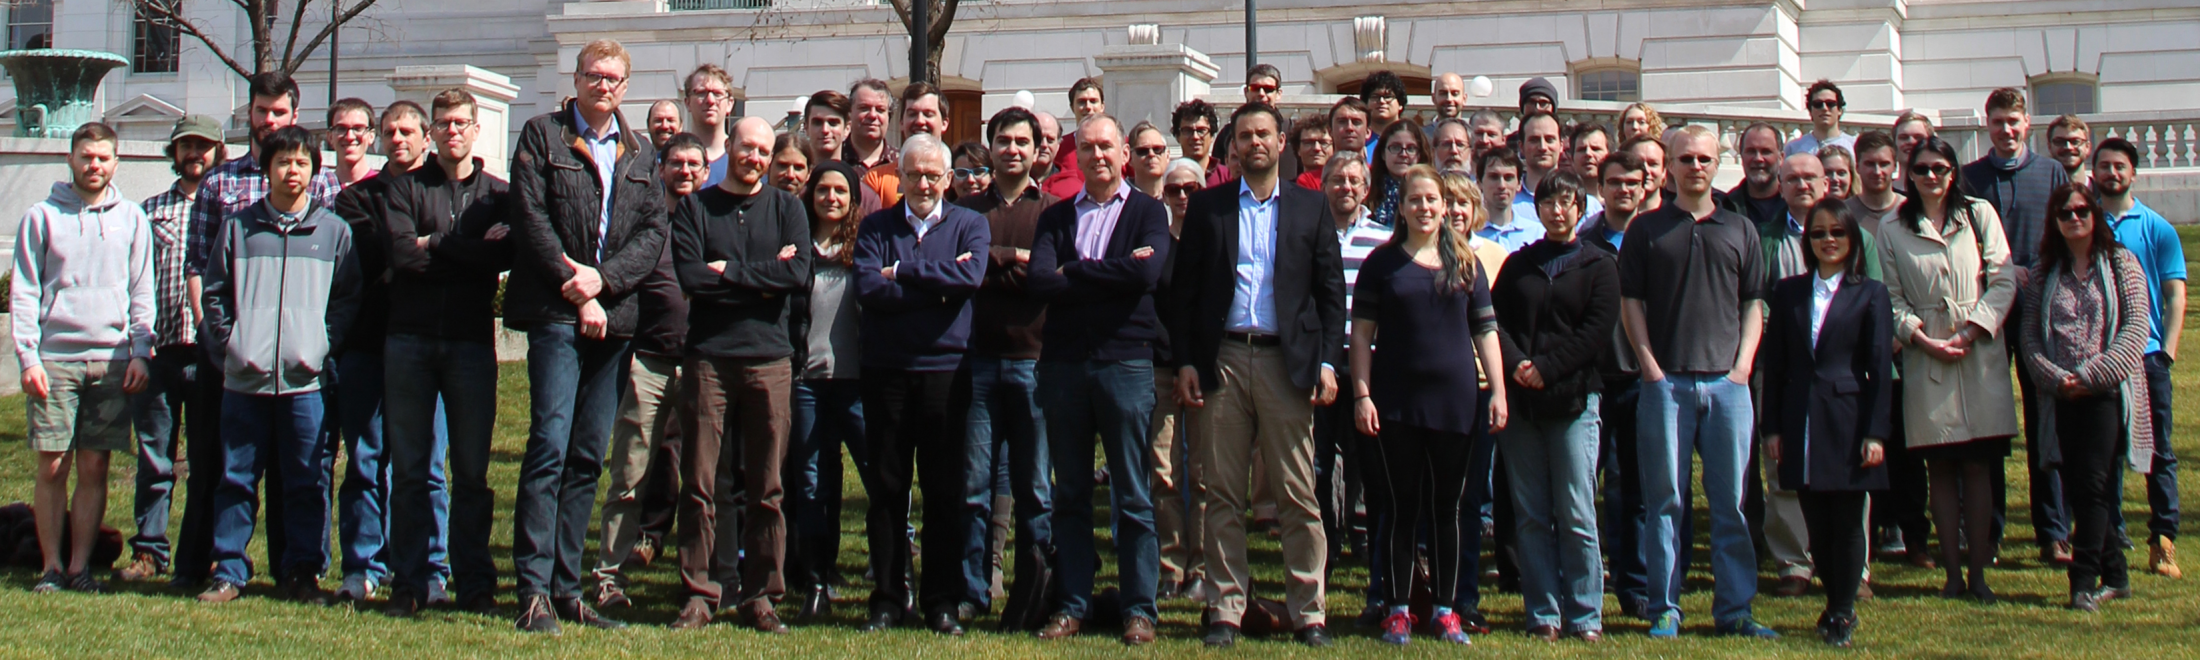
(1622, 85)
(30, 24)
(158, 39)
(2065, 96)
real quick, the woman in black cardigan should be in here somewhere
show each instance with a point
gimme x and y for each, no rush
(1828, 360)
(1556, 303)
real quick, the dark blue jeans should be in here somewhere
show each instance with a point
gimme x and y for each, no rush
(1007, 433)
(2162, 480)
(827, 415)
(573, 385)
(1113, 400)
(363, 526)
(422, 373)
(281, 433)
(158, 413)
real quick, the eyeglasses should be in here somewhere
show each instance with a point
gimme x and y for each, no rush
(593, 79)
(1826, 105)
(1382, 97)
(1196, 130)
(1150, 152)
(1263, 89)
(1695, 160)
(453, 125)
(712, 95)
(1823, 234)
(967, 172)
(1400, 148)
(1185, 189)
(2078, 213)
(334, 131)
(1935, 170)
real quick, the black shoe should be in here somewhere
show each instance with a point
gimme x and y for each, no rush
(880, 619)
(1837, 630)
(51, 582)
(305, 587)
(572, 609)
(1316, 636)
(943, 622)
(1954, 588)
(817, 603)
(1371, 616)
(1220, 635)
(1471, 620)
(403, 603)
(2084, 600)
(83, 583)
(483, 604)
(536, 616)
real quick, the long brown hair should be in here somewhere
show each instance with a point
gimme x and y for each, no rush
(845, 234)
(1458, 260)
(2054, 249)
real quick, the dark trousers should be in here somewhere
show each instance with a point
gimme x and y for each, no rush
(2050, 509)
(1421, 474)
(914, 425)
(1837, 548)
(158, 412)
(573, 390)
(420, 372)
(2162, 500)
(738, 425)
(1338, 487)
(272, 434)
(1621, 522)
(1113, 402)
(203, 452)
(1904, 503)
(827, 414)
(2091, 431)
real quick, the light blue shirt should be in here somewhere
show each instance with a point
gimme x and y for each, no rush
(1809, 144)
(717, 170)
(604, 150)
(1253, 300)
(2154, 242)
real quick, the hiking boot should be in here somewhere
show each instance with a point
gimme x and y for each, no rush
(2162, 558)
(142, 567)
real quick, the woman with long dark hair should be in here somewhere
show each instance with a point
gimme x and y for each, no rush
(828, 406)
(2087, 322)
(1401, 146)
(1418, 294)
(1950, 283)
(1556, 306)
(1828, 359)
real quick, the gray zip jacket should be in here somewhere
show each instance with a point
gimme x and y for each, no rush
(279, 295)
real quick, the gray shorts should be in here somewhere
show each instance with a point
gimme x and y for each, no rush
(84, 408)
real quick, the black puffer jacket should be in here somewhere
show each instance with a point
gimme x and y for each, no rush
(559, 201)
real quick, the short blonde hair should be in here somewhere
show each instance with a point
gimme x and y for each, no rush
(600, 49)
(1686, 133)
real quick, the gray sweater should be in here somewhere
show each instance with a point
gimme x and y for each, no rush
(83, 288)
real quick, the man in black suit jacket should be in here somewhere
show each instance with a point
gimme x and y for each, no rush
(1096, 259)
(1257, 305)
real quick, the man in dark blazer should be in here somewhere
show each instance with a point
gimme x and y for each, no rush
(1096, 260)
(1257, 305)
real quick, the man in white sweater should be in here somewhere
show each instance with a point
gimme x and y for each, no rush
(83, 312)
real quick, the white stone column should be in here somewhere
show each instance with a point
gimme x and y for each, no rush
(1147, 81)
(493, 93)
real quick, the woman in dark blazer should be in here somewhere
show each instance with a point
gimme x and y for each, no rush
(1829, 359)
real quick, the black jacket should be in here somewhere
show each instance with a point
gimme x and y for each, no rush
(1103, 308)
(557, 215)
(664, 321)
(1308, 272)
(1841, 388)
(1562, 324)
(363, 206)
(742, 312)
(447, 288)
(1617, 361)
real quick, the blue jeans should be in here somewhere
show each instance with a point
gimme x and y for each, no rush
(573, 388)
(1553, 465)
(1710, 416)
(2162, 479)
(424, 372)
(363, 529)
(280, 433)
(157, 412)
(827, 414)
(1113, 399)
(1007, 433)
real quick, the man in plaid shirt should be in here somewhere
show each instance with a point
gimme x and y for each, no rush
(230, 188)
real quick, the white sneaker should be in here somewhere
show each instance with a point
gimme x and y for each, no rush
(356, 588)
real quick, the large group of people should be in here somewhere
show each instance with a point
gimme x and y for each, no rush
(1557, 326)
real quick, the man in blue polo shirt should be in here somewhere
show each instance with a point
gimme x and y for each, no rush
(2150, 238)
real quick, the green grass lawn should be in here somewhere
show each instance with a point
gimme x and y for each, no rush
(1905, 621)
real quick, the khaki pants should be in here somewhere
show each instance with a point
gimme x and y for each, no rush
(652, 382)
(1255, 405)
(1182, 557)
(753, 394)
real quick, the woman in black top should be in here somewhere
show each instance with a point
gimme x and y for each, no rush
(1556, 304)
(1421, 292)
(1828, 357)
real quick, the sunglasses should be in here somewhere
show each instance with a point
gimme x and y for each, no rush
(1823, 234)
(1264, 89)
(1826, 105)
(1935, 170)
(967, 172)
(2079, 213)
(1695, 160)
(1150, 152)
(1182, 189)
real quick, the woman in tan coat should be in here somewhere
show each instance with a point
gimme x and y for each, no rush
(1949, 278)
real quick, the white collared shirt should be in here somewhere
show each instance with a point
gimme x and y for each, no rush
(1822, 290)
(925, 224)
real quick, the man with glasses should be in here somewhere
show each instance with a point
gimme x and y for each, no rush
(923, 111)
(1195, 127)
(1626, 188)
(591, 225)
(1311, 144)
(1005, 422)
(2155, 243)
(1264, 84)
(1452, 145)
(709, 98)
(2070, 140)
(1385, 96)
(1826, 103)
(1536, 95)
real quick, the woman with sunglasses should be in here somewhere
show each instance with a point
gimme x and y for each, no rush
(1828, 359)
(1949, 280)
(1418, 295)
(1183, 179)
(1401, 146)
(1149, 162)
(2084, 339)
(973, 171)
(1556, 306)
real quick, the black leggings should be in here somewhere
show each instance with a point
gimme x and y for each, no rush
(2091, 431)
(1422, 475)
(1836, 523)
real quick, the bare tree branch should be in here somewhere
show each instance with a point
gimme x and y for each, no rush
(297, 18)
(326, 31)
(172, 14)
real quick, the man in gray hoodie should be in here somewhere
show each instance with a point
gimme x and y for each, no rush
(83, 314)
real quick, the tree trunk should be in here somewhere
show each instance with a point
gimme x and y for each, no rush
(943, 18)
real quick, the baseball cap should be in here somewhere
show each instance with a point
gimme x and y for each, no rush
(198, 126)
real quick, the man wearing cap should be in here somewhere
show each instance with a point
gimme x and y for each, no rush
(1536, 95)
(194, 148)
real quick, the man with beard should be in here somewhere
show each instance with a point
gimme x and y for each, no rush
(1758, 196)
(664, 122)
(2162, 256)
(2071, 142)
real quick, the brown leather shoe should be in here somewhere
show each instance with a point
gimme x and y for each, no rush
(1063, 625)
(1138, 631)
(221, 592)
(2162, 558)
(142, 567)
(2059, 553)
(1792, 586)
(694, 615)
(760, 617)
(609, 595)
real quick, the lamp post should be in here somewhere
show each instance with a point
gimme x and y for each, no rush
(920, 38)
(1252, 35)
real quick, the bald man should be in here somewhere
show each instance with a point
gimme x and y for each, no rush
(1449, 94)
(737, 248)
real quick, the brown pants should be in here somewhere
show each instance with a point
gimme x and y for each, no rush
(1175, 482)
(1255, 405)
(754, 394)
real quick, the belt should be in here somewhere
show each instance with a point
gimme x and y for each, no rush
(1251, 339)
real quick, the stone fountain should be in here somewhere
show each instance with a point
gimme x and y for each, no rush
(54, 88)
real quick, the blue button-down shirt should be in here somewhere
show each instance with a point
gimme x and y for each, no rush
(1253, 301)
(604, 149)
